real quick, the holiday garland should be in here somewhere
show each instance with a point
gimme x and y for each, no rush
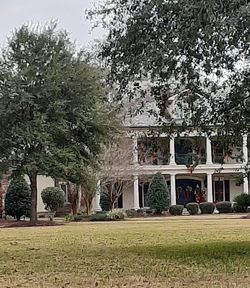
(192, 161)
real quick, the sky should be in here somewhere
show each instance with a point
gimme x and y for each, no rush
(70, 15)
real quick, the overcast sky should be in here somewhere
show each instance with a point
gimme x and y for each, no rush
(69, 13)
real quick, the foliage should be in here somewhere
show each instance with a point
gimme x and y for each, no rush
(99, 217)
(18, 199)
(54, 112)
(131, 213)
(79, 218)
(176, 210)
(53, 198)
(192, 208)
(105, 201)
(184, 48)
(242, 202)
(158, 195)
(69, 218)
(224, 207)
(207, 207)
(116, 214)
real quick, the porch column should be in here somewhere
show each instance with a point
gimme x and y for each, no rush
(136, 192)
(245, 149)
(79, 198)
(98, 197)
(246, 185)
(209, 150)
(209, 187)
(173, 189)
(172, 151)
(135, 150)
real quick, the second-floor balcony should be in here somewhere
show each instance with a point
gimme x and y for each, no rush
(187, 150)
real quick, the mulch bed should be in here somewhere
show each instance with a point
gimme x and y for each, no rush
(22, 223)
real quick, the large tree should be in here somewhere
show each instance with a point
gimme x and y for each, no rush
(53, 114)
(197, 51)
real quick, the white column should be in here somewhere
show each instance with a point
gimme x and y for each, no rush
(245, 149)
(173, 189)
(210, 187)
(172, 151)
(136, 192)
(98, 197)
(246, 185)
(79, 197)
(135, 150)
(209, 150)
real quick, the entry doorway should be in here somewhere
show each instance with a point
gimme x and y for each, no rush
(185, 190)
(143, 190)
(221, 190)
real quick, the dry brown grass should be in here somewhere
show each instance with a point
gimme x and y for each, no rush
(171, 252)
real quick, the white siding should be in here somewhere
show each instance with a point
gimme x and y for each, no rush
(234, 190)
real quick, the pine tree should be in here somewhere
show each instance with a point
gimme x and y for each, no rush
(18, 199)
(158, 195)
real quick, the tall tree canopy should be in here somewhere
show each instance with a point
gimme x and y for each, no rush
(197, 51)
(53, 113)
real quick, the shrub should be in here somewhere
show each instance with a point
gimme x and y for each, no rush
(192, 208)
(176, 210)
(237, 208)
(69, 218)
(224, 207)
(18, 199)
(242, 201)
(158, 195)
(207, 207)
(104, 202)
(81, 217)
(141, 212)
(99, 217)
(131, 213)
(116, 214)
(53, 198)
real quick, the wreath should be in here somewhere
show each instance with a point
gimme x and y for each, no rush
(191, 162)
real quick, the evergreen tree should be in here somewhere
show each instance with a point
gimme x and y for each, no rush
(18, 199)
(188, 49)
(158, 195)
(53, 113)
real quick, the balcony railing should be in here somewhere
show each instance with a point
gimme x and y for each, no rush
(184, 159)
(153, 158)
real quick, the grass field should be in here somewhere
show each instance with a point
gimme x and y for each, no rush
(171, 252)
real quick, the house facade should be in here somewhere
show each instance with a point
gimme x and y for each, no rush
(196, 168)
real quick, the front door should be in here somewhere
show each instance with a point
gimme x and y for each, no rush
(185, 189)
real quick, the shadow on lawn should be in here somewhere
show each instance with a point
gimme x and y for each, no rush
(198, 253)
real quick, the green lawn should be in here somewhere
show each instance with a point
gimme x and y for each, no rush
(169, 252)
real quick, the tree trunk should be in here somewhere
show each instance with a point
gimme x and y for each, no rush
(33, 186)
(56, 181)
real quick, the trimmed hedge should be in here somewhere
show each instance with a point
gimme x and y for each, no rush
(207, 207)
(99, 217)
(224, 207)
(176, 210)
(192, 208)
